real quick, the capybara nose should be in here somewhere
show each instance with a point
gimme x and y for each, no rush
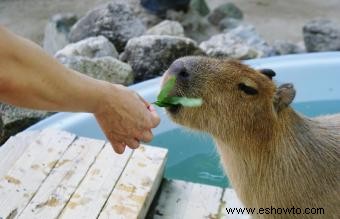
(178, 70)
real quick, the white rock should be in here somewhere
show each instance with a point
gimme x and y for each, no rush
(170, 28)
(102, 68)
(242, 42)
(92, 47)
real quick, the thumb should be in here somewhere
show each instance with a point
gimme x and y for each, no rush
(154, 116)
(155, 120)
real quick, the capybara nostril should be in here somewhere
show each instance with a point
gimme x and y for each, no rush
(178, 69)
(183, 74)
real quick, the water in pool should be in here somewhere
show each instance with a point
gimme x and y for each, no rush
(193, 157)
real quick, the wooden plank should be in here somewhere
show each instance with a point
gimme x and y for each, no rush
(138, 184)
(14, 148)
(180, 199)
(173, 199)
(230, 200)
(204, 201)
(64, 179)
(24, 178)
(9, 144)
(91, 195)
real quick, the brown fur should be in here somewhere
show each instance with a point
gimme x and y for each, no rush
(273, 156)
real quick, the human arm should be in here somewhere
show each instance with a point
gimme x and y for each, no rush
(31, 78)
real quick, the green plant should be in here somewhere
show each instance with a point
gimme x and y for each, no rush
(163, 100)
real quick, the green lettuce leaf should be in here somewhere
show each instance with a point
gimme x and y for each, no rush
(163, 100)
(183, 101)
(166, 89)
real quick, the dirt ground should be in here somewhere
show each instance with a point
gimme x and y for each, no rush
(274, 19)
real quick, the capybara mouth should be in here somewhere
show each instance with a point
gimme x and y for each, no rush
(174, 109)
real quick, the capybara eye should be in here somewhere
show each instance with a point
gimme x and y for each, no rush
(268, 72)
(247, 89)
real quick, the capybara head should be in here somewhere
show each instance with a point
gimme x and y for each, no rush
(236, 98)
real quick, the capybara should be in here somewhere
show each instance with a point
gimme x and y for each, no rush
(273, 156)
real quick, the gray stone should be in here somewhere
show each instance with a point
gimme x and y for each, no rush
(321, 35)
(226, 24)
(1, 130)
(195, 26)
(92, 47)
(170, 28)
(56, 32)
(114, 20)
(102, 68)
(150, 55)
(200, 6)
(283, 47)
(147, 18)
(227, 10)
(242, 42)
(17, 119)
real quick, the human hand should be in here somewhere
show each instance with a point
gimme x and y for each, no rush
(125, 117)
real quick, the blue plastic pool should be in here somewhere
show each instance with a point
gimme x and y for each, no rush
(192, 156)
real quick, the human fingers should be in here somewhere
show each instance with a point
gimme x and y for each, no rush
(147, 136)
(151, 120)
(118, 147)
(132, 143)
(155, 119)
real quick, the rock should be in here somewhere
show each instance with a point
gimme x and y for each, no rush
(17, 119)
(175, 15)
(283, 47)
(321, 35)
(160, 7)
(114, 20)
(200, 6)
(227, 10)
(146, 17)
(227, 24)
(170, 28)
(195, 26)
(97, 58)
(102, 68)
(150, 55)
(242, 42)
(56, 32)
(1, 130)
(92, 47)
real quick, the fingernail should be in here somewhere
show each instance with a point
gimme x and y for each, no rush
(122, 150)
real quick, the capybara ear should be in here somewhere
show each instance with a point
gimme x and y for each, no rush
(268, 72)
(284, 96)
